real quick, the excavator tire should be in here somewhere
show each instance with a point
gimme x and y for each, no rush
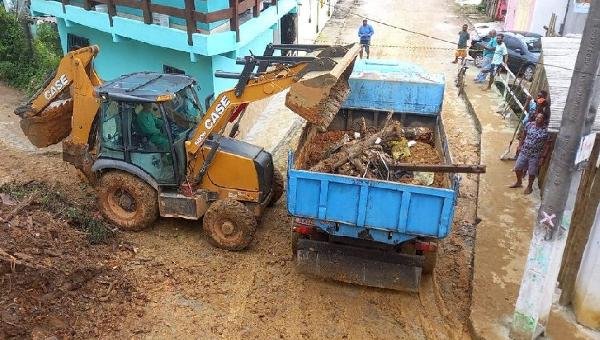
(126, 200)
(230, 224)
(277, 187)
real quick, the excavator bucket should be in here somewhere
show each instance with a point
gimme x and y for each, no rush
(46, 117)
(323, 85)
(51, 126)
(360, 266)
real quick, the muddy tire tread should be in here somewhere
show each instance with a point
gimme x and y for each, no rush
(235, 212)
(277, 187)
(146, 199)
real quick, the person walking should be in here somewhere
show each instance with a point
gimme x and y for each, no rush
(500, 57)
(463, 38)
(365, 32)
(488, 53)
(533, 150)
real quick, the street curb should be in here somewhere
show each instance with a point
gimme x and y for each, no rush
(471, 110)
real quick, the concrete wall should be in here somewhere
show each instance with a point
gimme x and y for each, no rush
(587, 289)
(312, 17)
(533, 15)
(575, 21)
(519, 14)
(543, 13)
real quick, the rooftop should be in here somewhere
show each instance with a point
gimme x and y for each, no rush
(144, 86)
(562, 52)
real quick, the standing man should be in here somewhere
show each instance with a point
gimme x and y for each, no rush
(500, 57)
(365, 32)
(463, 38)
(488, 53)
(533, 150)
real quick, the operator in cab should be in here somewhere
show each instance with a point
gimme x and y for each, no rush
(150, 123)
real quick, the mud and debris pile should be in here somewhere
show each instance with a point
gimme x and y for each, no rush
(373, 153)
(60, 267)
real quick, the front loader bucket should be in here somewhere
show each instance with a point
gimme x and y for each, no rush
(323, 85)
(51, 126)
(367, 267)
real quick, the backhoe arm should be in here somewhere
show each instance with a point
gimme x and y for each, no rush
(227, 103)
(52, 114)
(68, 69)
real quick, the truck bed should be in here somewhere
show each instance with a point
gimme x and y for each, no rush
(378, 210)
(371, 209)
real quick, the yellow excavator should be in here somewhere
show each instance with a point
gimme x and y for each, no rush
(150, 149)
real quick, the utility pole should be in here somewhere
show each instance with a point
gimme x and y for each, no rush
(560, 190)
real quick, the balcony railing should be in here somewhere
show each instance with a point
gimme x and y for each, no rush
(192, 17)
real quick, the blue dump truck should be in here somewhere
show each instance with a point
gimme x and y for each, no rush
(375, 232)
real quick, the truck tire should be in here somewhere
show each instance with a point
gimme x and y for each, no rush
(277, 188)
(126, 200)
(294, 242)
(229, 224)
(430, 261)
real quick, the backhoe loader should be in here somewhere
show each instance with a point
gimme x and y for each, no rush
(146, 144)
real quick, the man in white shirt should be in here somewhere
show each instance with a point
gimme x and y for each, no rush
(500, 57)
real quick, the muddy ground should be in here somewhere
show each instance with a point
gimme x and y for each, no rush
(181, 287)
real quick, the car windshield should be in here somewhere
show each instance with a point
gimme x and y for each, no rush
(184, 111)
(534, 44)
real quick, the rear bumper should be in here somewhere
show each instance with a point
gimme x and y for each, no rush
(369, 267)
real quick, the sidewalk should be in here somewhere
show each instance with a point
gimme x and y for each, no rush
(506, 224)
(504, 234)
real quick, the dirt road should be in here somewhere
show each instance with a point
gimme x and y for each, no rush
(196, 291)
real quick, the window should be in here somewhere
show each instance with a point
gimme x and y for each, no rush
(75, 42)
(111, 131)
(172, 70)
(512, 43)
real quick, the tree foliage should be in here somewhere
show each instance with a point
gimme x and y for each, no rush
(24, 65)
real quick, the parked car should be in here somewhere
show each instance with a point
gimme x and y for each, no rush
(523, 51)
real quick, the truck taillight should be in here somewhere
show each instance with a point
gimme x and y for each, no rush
(425, 246)
(303, 229)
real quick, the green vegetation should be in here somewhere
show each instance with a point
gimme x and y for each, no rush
(79, 214)
(24, 62)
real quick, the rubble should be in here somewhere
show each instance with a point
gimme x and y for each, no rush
(371, 153)
(60, 267)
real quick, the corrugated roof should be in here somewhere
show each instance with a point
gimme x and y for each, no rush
(560, 51)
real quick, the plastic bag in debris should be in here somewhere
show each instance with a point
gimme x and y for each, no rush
(400, 149)
(423, 178)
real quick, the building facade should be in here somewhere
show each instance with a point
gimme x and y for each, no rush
(195, 37)
(533, 15)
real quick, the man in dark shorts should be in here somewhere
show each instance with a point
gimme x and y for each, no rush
(533, 150)
(365, 32)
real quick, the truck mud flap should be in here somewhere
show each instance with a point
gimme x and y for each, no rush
(367, 267)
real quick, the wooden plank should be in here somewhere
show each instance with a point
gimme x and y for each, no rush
(452, 168)
(112, 10)
(87, 5)
(168, 10)
(190, 8)
(145, 5)
(128, 3)
(256, 8)
(234, 21)
(588, 197)
(214, 16)
(245, 5)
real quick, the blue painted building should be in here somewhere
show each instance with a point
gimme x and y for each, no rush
(195, 37)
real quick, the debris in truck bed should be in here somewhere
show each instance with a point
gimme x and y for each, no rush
(369, 153)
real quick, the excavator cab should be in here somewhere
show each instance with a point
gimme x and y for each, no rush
(144, 121)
